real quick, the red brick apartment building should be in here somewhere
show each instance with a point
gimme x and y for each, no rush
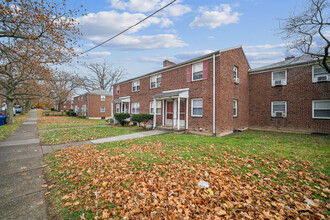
(292, 95)
(94, 105)
(67, 105)
(208, 94)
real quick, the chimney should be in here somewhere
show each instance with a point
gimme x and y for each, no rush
(289, 57)
(94, 89)
(167, 63)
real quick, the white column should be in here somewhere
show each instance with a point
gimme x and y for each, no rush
(187, 106)
(154, 114)
(179, 113)
(163, 113)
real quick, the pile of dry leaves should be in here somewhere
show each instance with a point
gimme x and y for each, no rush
(124, 186)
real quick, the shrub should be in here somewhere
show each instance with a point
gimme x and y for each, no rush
(110, 120)
(121, 117)
(46, 114)
(52, 109)
(142, 118)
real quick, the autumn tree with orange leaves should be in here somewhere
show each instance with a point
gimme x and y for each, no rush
(33, 34)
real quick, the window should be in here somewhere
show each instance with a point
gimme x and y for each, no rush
(135, 108)
(235, 108)
(320, 74)
(155, 81)
(236, 80)
(197, 107)
(136, 86)
(279, 109)
(279, 78)
(118, 108)
(102, 109)
(65, 107)
(102, 98)
(82, 98)
(158, 107)
(197, 71)
(321, 109)
(117, 90)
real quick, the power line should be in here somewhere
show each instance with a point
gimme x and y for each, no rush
(129, 27)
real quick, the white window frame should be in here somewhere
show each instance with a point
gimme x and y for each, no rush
(136, 84)
(102, 107)
(284, 82)
(192, 107)
(151, 108)
(153, 79)
(134, 108)
(235, 107)
(313, 109)
(117, 90)
(199, 72)
(102, 98)
(64, 107)
(314, 79)
(82, 98)
(118, 108)
(285, 112)
(235, 71)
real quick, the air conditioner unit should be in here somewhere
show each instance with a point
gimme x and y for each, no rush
(278, 82)
(279, 114)
(236, 80)
(323, 78)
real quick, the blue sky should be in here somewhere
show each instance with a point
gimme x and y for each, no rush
(186, 29)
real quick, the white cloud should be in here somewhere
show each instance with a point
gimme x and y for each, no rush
(265, 46)
(221, 15)
(128, 42)
(265, 55)
(151, 5)
(97, 54)
(191, 54)
(211, 37)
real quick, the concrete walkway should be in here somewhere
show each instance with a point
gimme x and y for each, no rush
(51, 148)
(21, 179)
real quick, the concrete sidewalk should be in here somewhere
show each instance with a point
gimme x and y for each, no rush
(21, 179)
(51, 148)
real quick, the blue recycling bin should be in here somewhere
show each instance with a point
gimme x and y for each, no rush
(2, 119)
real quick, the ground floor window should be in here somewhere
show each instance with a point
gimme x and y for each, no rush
(118, 108)
(279, 109)
(197, 107)
(158, 107)
(102, 109)
(235, 108)
(321, 109)
(135, 108)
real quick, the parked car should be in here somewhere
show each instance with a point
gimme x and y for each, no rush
(18, 110)
(2, 112)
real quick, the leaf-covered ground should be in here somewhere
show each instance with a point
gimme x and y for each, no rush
(256, 175)
(83, 134)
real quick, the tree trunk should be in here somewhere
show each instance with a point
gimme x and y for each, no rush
(59, 106)
(27, 106)
(23, 111)
(10, 111)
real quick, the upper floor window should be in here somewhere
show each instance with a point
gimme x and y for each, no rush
(155, 81)
(118, 90)
(321, 109)
(197, 107)
(279, 109)
(320, 74)
(236, 79)
(279, 78)
(135, 108)
(235, 108)
(136, 86)
(82, 98)
(102, 98)
(197, 71)
(158, 107)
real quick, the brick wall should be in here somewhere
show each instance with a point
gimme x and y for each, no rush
(298, 93)
(226, 91)
(95, 105)
(79, 103)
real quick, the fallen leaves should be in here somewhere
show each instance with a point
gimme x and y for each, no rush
(112, 184)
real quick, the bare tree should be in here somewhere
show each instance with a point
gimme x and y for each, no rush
(104, 76)
(305, 28)
(62, 86)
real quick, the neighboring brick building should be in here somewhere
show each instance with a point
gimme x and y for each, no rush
(212, 91)
(65, 106)
(292, 95)
(94, 105)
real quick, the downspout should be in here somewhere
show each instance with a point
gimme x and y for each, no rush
(213, 94)
(88, 110)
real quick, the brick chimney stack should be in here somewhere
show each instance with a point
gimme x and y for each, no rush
(167, 63)
(289, 57)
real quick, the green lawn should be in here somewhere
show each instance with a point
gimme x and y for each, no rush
(7, 129)
(82, 134)
(252, 175)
